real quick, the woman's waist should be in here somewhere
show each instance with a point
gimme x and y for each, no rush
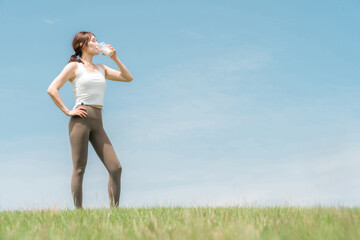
(90, 105)
(97, 106)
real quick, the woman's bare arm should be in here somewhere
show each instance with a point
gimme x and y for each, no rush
(123, 75)
(69, 72)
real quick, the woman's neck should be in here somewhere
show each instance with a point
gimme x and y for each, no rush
(87, 59)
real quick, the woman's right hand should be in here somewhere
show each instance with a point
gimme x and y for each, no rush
(79, 111)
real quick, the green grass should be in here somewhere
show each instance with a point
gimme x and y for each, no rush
(277, 222)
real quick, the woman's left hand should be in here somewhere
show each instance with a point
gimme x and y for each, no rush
(113, 56)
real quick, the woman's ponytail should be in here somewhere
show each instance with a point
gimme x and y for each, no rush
(74, 58)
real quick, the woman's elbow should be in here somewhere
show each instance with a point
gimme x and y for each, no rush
(51, 91)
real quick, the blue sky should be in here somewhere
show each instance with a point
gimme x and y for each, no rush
(232, 102)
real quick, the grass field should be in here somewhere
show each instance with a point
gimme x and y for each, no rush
(276, 222)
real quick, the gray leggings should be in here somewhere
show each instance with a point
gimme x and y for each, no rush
(81, 130)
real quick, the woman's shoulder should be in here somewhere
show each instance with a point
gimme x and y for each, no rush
(73, 63)
(101, 65)
(73, 67)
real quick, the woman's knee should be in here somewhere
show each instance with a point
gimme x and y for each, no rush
(79, 171)
(116, 170)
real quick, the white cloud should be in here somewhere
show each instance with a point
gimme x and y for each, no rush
(42, 177)
(48, 21)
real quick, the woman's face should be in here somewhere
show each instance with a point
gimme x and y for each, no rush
(92, 46)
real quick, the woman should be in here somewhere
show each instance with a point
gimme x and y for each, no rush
(85, 124)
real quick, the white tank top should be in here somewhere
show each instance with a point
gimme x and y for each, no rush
(89, 87)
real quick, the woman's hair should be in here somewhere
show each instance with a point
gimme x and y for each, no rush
(80, 40)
